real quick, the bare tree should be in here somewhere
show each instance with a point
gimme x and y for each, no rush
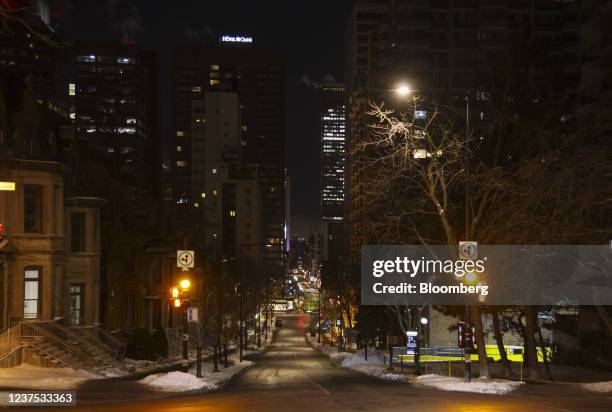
(14, 19)
(415, 175)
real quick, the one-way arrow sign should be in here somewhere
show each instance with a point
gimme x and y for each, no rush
(185, 258)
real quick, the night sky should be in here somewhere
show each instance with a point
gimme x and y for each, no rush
(311, 34)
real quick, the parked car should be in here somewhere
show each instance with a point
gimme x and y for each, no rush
(278, 323)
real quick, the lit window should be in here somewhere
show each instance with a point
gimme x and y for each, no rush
(125, 60)
(86, 59)
(214, 67)
(181, 163)
(71, 89)
(243, 127)
(180, 133)
(214, 82)
(214, 235)
(196, 89)
(214, 193)
(214, 171)
(272, 189)
(130, 121)
(196, 204)
(179, 148)
(203, 195)
(128, 130)
(73, 115)
(232, 213)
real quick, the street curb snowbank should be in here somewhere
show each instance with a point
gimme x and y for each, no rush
(374, 366)
(602, 387)
(177, 381)
(445, 383)
(26, 376)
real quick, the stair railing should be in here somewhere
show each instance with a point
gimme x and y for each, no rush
(29, 331)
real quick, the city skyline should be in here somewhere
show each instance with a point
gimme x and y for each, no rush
(303, 77)
(319, 206)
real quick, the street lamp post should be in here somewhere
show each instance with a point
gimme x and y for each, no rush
(403, 90)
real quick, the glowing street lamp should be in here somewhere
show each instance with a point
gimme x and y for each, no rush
(185, 284)
(470, 277)
(403, 90)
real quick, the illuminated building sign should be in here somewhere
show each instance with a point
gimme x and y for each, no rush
(8, 186)
(236, 39)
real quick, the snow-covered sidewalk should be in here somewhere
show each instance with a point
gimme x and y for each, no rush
(181, 381)
(35, 377)
(373, 366)
(376, 366)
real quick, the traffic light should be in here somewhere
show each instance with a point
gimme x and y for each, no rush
(465, 336)
(3, 235)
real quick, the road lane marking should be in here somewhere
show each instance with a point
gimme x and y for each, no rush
(325, 391)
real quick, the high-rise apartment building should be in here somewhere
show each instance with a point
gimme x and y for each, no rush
(446, 50)
(361, 36)
(114, 106)
(333, 150)
(227, 129)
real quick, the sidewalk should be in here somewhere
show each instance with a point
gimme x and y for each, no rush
(377, 366)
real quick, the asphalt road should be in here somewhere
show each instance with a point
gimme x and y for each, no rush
(291, 376)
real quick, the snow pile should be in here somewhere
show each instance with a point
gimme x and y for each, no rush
(36, 377)
(112, 372)
(373, 366)
(181, 381)
(495, 386)
(175, 382)
(598, 386)
(342, 356)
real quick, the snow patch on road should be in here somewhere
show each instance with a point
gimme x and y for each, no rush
(35, 377)
(598, 386)
(445, 383)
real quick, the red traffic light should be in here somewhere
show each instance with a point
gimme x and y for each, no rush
(2, 229)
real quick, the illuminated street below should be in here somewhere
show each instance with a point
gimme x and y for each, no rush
(291, 376)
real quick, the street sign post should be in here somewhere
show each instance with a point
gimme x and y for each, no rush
(185, 259)
(468, 250)
(192, 314)
(411, 341)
